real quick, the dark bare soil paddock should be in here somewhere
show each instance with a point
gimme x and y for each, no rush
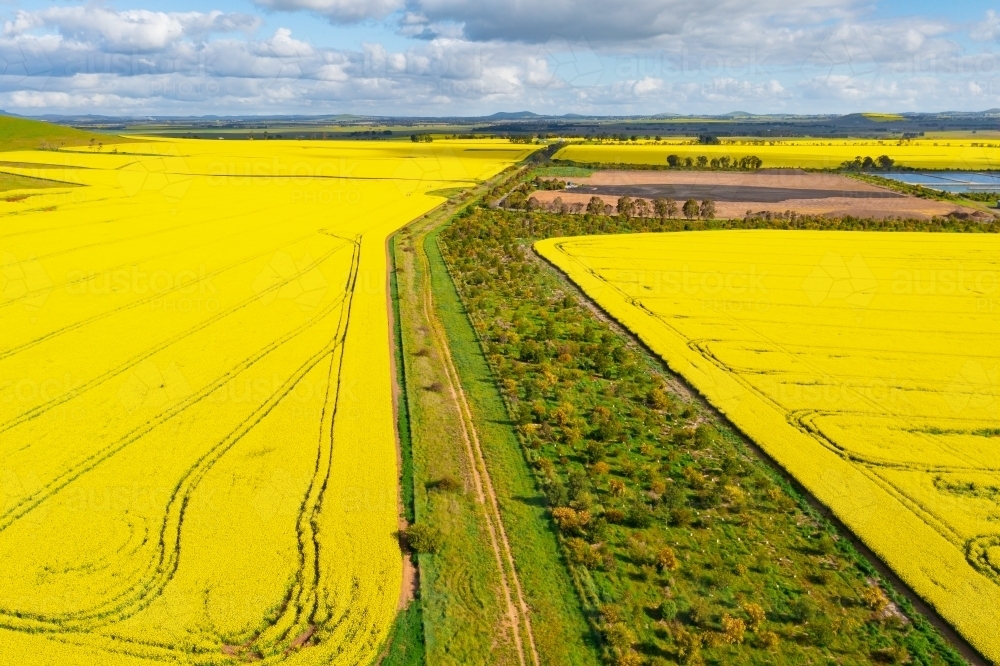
(734, 193)
(767, 190)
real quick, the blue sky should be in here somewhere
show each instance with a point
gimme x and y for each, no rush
(472, 57)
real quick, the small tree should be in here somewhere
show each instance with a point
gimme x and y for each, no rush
(756, 615)
(641, 208)
(733, 629)
(596, 206)
(707, 209)
(885, 162)
(688, 646)
(688, 162)
(422, 538)
(768, 640)
(875, 598)
(619, 636)
(691, 209)
(660, 208)
(673, 161)
(702, 161)
(667, 559)
(626, 207)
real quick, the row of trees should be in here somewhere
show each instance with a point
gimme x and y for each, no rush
(626, 207)
(748, 163)
(883, 162)
(663, 209)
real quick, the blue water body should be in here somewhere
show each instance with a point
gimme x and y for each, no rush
(951, 181)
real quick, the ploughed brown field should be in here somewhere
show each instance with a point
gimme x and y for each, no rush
(735, 193)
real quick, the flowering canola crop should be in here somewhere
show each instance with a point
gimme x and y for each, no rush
(866, 364)
(945, 153)
(197, 446)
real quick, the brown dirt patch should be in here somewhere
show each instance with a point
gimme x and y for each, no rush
(821, 193)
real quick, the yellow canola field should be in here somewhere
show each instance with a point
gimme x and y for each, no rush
(803, 153)
(197, 443)
(866, 364)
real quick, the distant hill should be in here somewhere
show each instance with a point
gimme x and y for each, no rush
(25, 134)
(515, 115)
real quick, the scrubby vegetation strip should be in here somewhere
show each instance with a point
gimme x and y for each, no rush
(682, 543)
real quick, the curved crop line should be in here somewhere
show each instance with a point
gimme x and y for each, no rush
(169, 558)
(38, 410)
(28, 503)
(308, 574)
(169, 546)
(174, 411)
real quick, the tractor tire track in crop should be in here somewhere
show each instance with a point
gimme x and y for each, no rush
(308, 529)
(22, 507)
(133, 262)
(123, 443)
(12, 351)
(38, 410)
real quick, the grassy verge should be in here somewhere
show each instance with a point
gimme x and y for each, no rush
(561, 172)
(561, 630)
(406, 642)
(688, 545)
(403, 425)
(462, 610)
(406, 645)
(13, 181)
